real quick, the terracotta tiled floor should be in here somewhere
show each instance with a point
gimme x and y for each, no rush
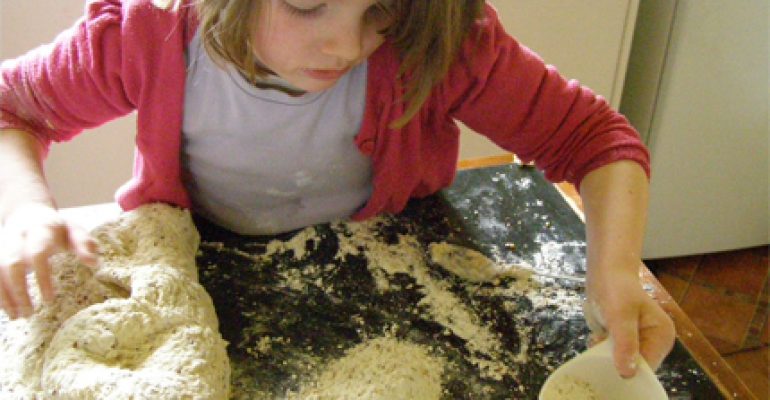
(726, 296)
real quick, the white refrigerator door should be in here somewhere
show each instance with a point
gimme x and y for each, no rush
(697, 89)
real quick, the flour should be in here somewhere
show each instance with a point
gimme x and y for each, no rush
(569, 388)
(407, 257)
(137, 327)
(379, 369)
(472, 337)
(297, 244)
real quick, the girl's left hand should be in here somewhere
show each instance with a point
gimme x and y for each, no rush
(634, 320)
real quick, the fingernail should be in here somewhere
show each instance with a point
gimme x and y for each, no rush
(90, 260)
(631, 368)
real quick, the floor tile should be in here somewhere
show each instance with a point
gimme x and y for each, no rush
(682, 267)
(719, 317)
(764, 335)
(742, 272)
(752, 367)
(764, 298)
(764, 253)
(757, 335)
(723, 308)
(675, 286)
(758, 332)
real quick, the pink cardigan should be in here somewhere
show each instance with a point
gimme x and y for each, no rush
(128, 55)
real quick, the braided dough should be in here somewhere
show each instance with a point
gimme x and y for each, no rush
(140, 326)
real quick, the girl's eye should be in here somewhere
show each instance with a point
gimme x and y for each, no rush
(379, 14)
(302, 11)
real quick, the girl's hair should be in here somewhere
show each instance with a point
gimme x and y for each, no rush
(427, 34)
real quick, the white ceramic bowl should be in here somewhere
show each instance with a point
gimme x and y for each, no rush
(593, 371)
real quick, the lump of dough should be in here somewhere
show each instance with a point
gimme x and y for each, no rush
(139, 327)
(471, 265)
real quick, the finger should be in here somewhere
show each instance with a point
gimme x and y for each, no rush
(83, 245)
(625, 336)
(657, 341)
(17, 274)
(655, 349)
(42, 267)
(596, 338)
(6, 302)
(40, 246)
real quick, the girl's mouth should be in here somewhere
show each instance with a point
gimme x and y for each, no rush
(326, 74)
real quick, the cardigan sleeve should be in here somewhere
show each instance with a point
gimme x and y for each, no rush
(82, 79)
(506, 92)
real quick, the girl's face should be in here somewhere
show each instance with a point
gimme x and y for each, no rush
(312, 43)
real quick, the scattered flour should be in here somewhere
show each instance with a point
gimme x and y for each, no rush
(407, 257)
(297, 244)
(405, 254)
(140, 326)
(379, 369)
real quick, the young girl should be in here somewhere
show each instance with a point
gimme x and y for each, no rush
(266, 116)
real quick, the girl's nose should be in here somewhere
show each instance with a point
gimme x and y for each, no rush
(344, 42)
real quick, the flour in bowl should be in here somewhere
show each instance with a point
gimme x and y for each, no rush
(570, 388)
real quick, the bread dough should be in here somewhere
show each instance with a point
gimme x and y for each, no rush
(139, 326)
(471, 265)
(384, 368)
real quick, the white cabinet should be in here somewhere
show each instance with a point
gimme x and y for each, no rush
(587, 40)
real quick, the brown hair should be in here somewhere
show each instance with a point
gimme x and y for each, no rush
(427, 33)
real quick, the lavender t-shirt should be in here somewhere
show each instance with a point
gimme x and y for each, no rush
(260, 161)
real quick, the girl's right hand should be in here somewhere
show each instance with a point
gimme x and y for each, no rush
(30, 235)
